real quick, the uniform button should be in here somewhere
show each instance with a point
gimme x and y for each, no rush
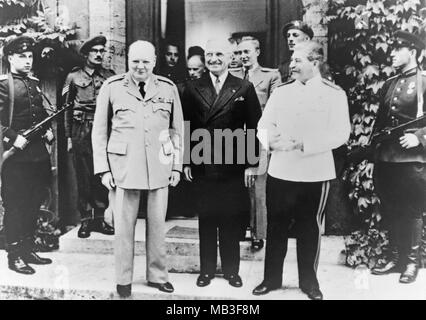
(403, 81)
(395, 98)
(146, 130)
(393, 108)
(147, 144)
(398, 89)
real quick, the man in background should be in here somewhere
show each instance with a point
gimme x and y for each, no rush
(264, 80)
(81, 89)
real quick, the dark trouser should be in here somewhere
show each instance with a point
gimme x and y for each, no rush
(91, 193)
(402, 191)
(221, 204)
(24, 187)
(304, 202)
(229, 246)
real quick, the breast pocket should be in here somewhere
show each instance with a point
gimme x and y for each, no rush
(84, 90)
(124, 117)
(162, 110)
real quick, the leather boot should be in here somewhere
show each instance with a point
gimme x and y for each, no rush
(15, 262)
(413, 259)
(99, 225)
(84, 231)
(392, 266)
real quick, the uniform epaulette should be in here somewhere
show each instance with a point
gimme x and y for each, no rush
(77, 68)
(268, 69)
(3, 77)
(115, 78)
(287, 82)
(166, 80)
(331, 84)
(33, 78)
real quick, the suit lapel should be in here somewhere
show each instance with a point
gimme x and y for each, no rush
(152, 89)
(256, 77)
(132, 88)
(206, 90)
(229, 90)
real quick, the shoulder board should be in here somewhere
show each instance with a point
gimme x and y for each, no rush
(286, 83)
(76, 68)
(268, 69)
(115, 78)
(3, 77)
(33, 78)
(166, 80)
(331, 84)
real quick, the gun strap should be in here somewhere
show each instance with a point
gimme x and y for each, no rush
(11, 98)
(420, 101)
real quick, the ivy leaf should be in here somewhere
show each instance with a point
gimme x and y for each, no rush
(375, 86)
(388, 71)
(363, 202)
(382, 45)
(371, 70)
(364, 59)
(411, 4)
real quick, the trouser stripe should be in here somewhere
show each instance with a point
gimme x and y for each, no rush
(320, 216)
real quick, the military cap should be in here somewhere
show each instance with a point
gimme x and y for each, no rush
(299, 25)
(89, 44)
(408, 39)
(19, 45)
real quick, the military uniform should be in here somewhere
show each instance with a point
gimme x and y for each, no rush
(81, 89)
(26, 175)
(315, 113)
(400, 173)
(139, 140)
(265, 80)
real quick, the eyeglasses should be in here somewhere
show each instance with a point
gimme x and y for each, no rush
(97, 50)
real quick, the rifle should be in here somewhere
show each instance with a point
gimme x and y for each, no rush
(35, 130)
(366, 152)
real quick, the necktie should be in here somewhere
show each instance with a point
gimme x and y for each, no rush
(142, 89)
(246, 74)
(217, 85)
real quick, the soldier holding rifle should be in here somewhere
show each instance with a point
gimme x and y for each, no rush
(26, 175)
(400, 172)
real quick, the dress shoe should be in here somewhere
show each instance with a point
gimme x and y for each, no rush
(124, 291)
(18, 265)
(264, 288)
(313, 293)
(234, 280)
(34, 258)
(257, 244)
(390, 267)
(99, 225)
(410, 274)
(203, 280)
(84, 231)
(165, 287)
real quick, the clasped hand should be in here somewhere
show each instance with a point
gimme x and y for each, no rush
(279, 142)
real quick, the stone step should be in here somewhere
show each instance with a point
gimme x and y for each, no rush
(183, 253)
(74, 276)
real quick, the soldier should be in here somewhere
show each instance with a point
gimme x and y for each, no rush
(81, 89)
(400, 172)
(27, 174)
(295, 32)
(303, 120)
(265, 80)
(137, 144)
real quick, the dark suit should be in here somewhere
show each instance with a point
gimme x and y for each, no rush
(221, 197)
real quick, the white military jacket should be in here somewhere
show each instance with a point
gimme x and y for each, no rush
(140, 140)
(316, 114)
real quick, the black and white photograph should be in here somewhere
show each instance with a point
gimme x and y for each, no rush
(193, 151)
